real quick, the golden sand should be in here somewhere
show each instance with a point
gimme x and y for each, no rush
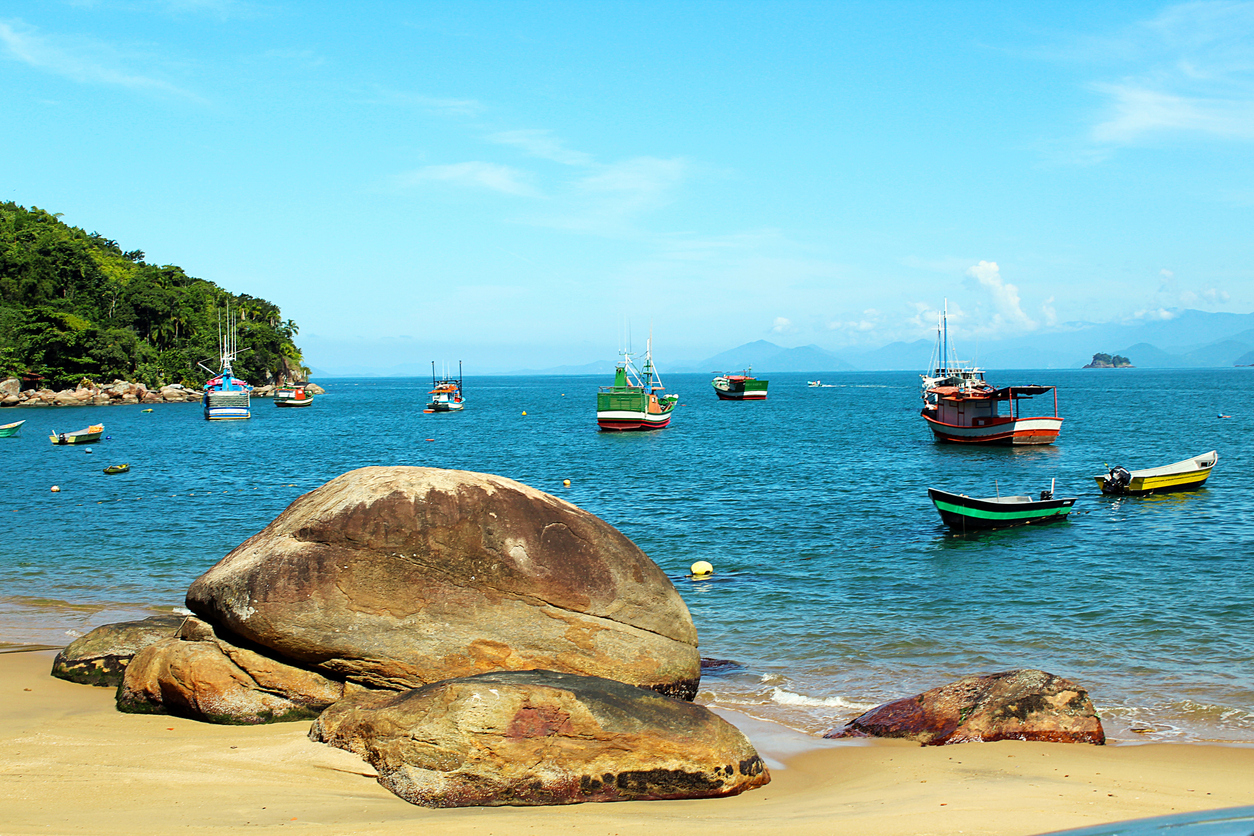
(73, 764)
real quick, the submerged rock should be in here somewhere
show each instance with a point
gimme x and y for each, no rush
(1012, 705)
(396, 577)
(202, 676)
(538, 737)
(100, 657)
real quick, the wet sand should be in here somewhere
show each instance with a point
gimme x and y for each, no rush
(73, 764)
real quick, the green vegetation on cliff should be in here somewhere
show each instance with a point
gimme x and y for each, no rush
(74, 305)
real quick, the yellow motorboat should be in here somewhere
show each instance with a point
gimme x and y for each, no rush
(1185, 475)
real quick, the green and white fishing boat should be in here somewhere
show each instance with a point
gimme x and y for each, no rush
(637, 400)
(964, 513)
(7, 430)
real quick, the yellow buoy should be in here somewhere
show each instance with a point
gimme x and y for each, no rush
(56, 489)
(702, 568)
(524, 412)
(566, 482)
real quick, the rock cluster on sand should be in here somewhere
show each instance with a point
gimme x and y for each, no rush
(1011, 705)
(200, 674)
(396, 577)
(119, 392)
(537, 737)
(100, 657)
(372, 599)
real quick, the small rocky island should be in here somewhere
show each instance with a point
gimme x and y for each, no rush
(1107, 361)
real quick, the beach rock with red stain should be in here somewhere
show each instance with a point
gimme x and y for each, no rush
(100, 657)
(395, 577)
(205, 677)
(538, 737)
(1012, 705)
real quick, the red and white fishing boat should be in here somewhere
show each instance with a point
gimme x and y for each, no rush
(963, 414)
(961, 407)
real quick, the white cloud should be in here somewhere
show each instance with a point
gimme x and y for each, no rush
(869, 321)
(1138, 111)
(77, 60)
(542, 144)
(1009, 313)
(497, 178)
(1190, 70)
(1215, 296)
(783, 325)
(1157, 314)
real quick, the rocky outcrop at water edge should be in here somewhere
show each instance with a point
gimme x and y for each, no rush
(1011, 705)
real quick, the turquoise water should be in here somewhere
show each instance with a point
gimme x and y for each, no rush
(836, 588)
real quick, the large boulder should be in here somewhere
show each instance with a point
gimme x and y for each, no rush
(1012, 705)
(395, 577)
(203, 676)
(537, 737)
(100, 657)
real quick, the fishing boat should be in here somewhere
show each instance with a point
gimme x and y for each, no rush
(961, 407)
(741, 386)
(1186, 475)
(7, 430)
(446, 392)
(963, 513)
(292, 396)
(637, 400)
(87, 436)
(115, 469)
(226, 396)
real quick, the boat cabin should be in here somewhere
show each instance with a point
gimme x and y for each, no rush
(963, 407)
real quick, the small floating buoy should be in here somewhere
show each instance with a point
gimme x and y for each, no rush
(524, 412)
(88, 450)
(566, 483)
(701, 569)
(56, 489)
(430, 439)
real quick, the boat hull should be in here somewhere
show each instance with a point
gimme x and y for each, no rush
(1187, 475)
(290, 402)
(627, 421)
(81, 437)
(965, 513)
(11, 429)
(227, 406)
(737, 389)
(999, 430)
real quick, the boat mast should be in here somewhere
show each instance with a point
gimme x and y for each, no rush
(945, 339)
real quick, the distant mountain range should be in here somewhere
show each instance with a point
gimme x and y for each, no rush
(1193, 339)
(1190, 339)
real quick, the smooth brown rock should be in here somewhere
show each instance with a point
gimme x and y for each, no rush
(400, 576)
(202, 676)
(538, 737)
(100, 657)
(1012, 705)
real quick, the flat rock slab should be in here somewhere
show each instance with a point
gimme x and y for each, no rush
(395, 577)
(202, 676)
(100, 657)
(1011, 705)
(538, 737)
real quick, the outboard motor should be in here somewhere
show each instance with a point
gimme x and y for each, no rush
(1046, 495)
(1117, 480)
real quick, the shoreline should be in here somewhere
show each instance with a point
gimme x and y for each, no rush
(75, 764)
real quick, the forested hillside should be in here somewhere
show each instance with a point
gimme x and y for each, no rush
(74, 305)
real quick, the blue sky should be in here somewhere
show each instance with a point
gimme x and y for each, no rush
(515, 184)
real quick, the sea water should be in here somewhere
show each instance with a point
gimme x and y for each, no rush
(835, 588)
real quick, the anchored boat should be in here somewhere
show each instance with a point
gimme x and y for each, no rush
(7, 430)
(963, 513)
(637, 400)
(89, 435)
(446, 393)
(292, 396)
(741, 386)
(114, 469)
(1186, 475)
(226, 396)
(961, 407)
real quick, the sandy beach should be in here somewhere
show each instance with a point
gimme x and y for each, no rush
(73, 764)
